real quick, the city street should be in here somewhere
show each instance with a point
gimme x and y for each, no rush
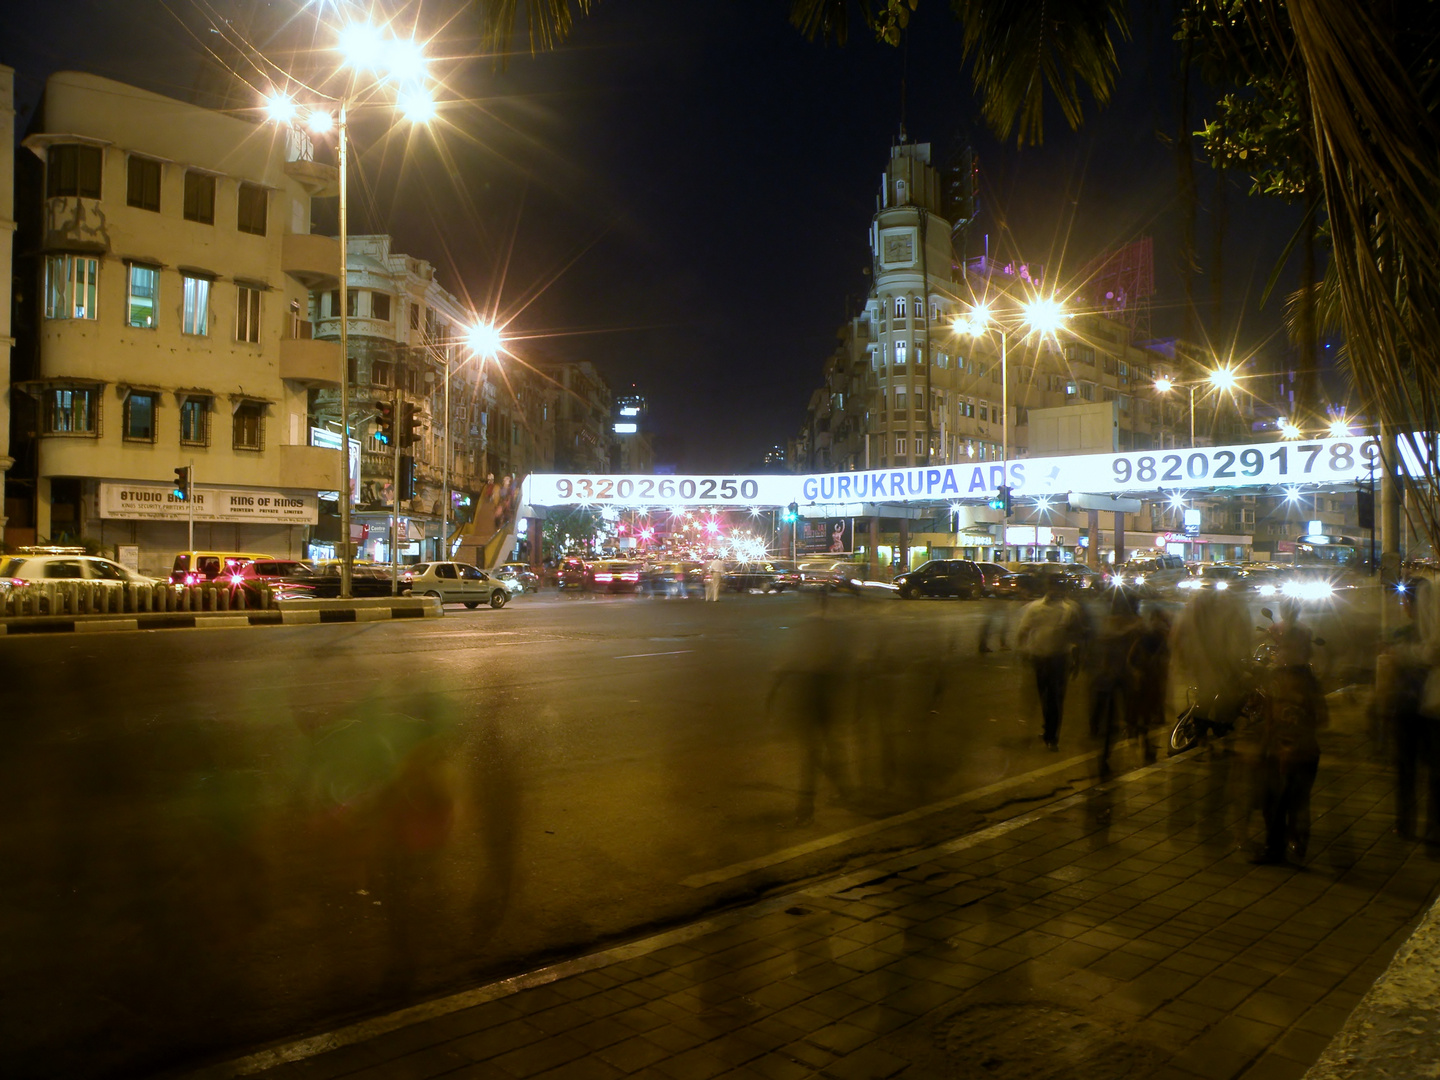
(215, 838)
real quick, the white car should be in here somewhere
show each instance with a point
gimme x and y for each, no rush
(23, 569)
(455, 583)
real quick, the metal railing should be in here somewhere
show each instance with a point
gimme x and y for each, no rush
(113, 598)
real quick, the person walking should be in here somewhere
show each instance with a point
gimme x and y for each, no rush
(1289, 748)
(1046, 638)
(1150, 667)
(1401, 674)
(714, 578)
(1111, 682)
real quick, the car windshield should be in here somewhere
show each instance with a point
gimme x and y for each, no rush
(280, 569)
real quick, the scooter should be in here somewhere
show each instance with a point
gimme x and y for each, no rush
(1195, 723)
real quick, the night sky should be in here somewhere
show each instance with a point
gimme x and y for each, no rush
(681, 194)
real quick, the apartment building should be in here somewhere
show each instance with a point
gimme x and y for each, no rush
(7, 248)
(582, 418)
(167, 262)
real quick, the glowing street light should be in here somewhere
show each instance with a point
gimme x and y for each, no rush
(1223, 378)
(1339, 428)
(1289, 429)
(484, 339)
(280, 108)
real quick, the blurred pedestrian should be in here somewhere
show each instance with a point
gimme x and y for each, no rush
(714, 578)
(1047, 638)
(1401, 673)
(1150, 667)
(1289, 748)
(812, 685)
(1111, 684)
(1213, 641)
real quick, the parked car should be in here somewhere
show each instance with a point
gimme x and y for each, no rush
(54, 565)
(289, 579)
(519, 577)
(1030, 580)
(198, 567)
(612, 576)
(366, 579)
(942, 577)
(455, 583)
(992, 572)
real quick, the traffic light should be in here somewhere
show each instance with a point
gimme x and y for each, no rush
(182, 483)
(1365, 507)
(792, 512)
(409, 424)
(385, 422)
(407, 477)
(1002, 502)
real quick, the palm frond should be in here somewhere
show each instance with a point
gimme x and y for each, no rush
(547, 23)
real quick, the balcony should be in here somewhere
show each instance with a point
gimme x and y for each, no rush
(312, 363)
(312, 468)
(311, 259)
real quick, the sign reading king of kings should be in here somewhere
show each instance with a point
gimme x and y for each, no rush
(1322, 461)
(144, 501)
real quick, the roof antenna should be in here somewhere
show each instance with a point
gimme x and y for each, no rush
(904, 67)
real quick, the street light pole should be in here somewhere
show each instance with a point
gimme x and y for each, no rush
(1192, 418)
(444, 552)
(343, 491)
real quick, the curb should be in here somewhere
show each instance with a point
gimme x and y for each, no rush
(290, 613)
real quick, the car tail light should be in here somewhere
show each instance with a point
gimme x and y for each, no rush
(190, 579)
(237, 579)
(604, 577)
(630, 577)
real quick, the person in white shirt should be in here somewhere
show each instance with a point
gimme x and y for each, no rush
(714, 578)
(1049, 629)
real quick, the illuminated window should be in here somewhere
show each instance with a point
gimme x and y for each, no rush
(195, 318)
(71, 286)
(71, 411)
(899, 354)
(899, 307)
(144, 296)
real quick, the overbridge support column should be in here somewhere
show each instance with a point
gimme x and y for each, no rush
(1092, 550)
(904, 544)
(873, 547)
(1119, 537)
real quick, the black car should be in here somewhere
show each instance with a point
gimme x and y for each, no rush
(992, 572)
(744, 576)
(365, 580)
(1030, 580)
(942, 577)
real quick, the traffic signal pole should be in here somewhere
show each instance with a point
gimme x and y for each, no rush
(190, 508)
(395, 504)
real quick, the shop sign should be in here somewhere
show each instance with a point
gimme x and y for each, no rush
(157, 502)
(826, 536)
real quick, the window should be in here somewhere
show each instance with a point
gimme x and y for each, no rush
(71, 285)
(144, 295)
(142, 188)
(248, 425)
(195, 422)
(900, 446)
(430, 323)
(247, 313)
(1123, 369)
(380, 306)
(941, 360)
(199, 197)
(351, 297)
(414, 316)
(70, 411)
(250, 209)
(899, 354)
(73, 170)
(984, 410)
(967, 407)
(140, 417)
(1087, 391)
(382, 373)
(196, 316)
(901, 405)
(899, 307)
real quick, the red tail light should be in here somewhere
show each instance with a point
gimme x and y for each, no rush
(237, 579)
(604, 577)
(632, 576)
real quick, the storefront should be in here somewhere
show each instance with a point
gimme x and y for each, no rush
(152, 524)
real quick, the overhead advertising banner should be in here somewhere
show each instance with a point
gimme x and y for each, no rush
(825, 536)
(1331, 462)
(157, 502)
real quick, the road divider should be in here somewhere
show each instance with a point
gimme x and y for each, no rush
(284, 613)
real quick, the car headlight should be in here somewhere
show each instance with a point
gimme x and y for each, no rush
(1139, 579)
(1188, 583)
(1221, 586)
(1266, 590)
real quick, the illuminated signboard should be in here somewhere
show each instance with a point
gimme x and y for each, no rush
(1331, 462)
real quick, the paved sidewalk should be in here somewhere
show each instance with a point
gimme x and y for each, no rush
(1119, 932)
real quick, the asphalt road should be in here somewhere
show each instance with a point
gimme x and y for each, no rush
(213, 839)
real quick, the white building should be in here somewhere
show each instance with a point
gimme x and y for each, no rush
(166, 326)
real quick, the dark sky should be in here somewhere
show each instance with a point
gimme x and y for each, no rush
(681, 194)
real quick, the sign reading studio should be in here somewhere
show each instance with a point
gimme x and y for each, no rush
(157, 502)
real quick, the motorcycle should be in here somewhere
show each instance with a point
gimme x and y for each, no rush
(1195, 723)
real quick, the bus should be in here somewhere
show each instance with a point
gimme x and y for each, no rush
(1330, 552)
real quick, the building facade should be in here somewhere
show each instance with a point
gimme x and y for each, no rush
(161, 327)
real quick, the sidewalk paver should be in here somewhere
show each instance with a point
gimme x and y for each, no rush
(1118, 933)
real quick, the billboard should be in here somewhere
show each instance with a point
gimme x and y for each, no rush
(825, 536)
